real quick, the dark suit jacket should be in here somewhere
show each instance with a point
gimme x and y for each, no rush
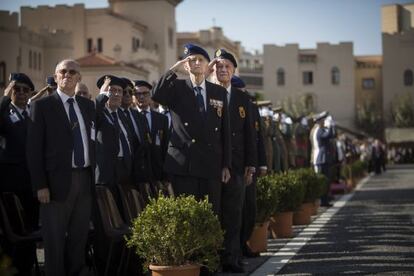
(159, 136)
(107, 143)
(243, 135)
(14, 132)
(257, 124)
(142, 168)
(50, 144)
(197, 147)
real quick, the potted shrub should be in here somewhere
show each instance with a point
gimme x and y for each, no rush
(177, 234)
(266, 200)
(290, 193)
(308, 179)
(323, 186)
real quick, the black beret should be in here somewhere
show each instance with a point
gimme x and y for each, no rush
(237, 82)
(128, 82)
(143, 83)
(50, 80)
(21, 78)
(192, 49)
(114, 81)
(221, 53)
(320, 116)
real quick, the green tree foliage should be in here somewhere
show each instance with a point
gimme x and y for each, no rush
(403, 111)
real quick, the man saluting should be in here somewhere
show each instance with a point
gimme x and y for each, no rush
(199, 150)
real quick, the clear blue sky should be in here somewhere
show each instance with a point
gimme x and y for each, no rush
(255, 23)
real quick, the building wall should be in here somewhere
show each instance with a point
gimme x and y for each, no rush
(159, 17)
(398, 54)
(320, 61)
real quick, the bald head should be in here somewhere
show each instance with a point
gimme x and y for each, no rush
(82, 90)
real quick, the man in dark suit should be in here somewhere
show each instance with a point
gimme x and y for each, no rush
(115, 142)
(15, 177)
(199, 151)
(158, 125)
(141, 168)
(249, 205)
(244, 159)
(320, 137)
(61, 158)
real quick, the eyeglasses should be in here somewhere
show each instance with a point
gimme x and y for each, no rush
(71, 72)
(21, 89)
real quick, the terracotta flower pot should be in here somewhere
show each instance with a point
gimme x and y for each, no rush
(258, 238)
(182, 270)
(303, 215)
(281, 225)
(315, 208)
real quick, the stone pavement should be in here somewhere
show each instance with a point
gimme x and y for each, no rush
(370, 231)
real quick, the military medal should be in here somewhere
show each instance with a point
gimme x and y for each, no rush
(242, 112)
(256, 125)
(219, 111)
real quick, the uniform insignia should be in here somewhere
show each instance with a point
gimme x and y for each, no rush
(256, 125)
(219, 111)
(149, 138)
(242, 112)
(218, 53)
(185, 50)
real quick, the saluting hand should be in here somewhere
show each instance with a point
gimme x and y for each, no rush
(225, 175)
(43, 195)
(9, 89)
(175, 68)
(105, 85)
(210, 68)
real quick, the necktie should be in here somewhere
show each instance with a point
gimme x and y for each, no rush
(200, 101)
(130, 123)
(145, 113)
(124, 142)
(25, 115)
(78, 154)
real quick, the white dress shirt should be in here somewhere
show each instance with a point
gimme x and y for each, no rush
(203, 92)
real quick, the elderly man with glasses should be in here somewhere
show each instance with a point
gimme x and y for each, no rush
(61, 158)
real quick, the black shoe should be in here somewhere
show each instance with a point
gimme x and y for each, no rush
(248, 253)
(234, 268)
(326, 204)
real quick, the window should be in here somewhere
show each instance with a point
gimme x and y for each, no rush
(135, 44)
(368, 83)
(2, 74)
(30, 59)
(39, 62)
(89, 45)
(100, 46)
(408, 77)
(280, 77)
(307, 77)
(335, 76)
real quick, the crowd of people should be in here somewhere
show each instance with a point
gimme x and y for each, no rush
(204, 135)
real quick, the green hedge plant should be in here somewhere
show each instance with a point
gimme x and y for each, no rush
(266, 198)
(177, 231)
(309, 179)
(290, 191)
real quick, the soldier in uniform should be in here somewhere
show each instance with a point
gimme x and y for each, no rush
(15, 177)
(199, 150)
(249, 206)
(244, 159)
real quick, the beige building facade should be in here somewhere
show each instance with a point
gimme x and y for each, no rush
(126, 34)
(251, 70)
(324, 75)
(398, 54)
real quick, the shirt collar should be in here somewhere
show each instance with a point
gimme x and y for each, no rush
(148, 109)
(19, 109)
(229, 89)
(202, 85)
(64, 97)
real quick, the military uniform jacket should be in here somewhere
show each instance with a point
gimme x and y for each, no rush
(320, 139)
(50, 146)
(257, 124)
(13, 127)
(107, 143)
(159, 145)
(244, 150)
(198, 147)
